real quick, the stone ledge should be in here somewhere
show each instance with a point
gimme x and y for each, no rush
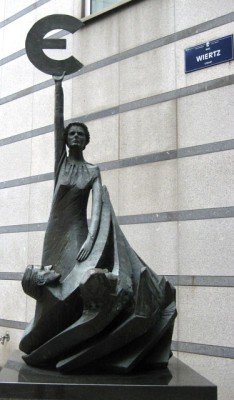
(177, 382)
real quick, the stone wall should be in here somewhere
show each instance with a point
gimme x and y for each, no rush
(163, 140)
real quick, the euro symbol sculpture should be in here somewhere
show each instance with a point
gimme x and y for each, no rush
(35, 43)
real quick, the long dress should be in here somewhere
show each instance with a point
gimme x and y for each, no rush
(111, 311)
(67, 226)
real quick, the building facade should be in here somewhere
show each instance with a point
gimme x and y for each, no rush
(162, 138)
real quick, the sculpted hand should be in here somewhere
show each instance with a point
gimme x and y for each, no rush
(59, 78)
(85, 249)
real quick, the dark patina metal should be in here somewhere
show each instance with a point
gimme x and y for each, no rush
(99, 306)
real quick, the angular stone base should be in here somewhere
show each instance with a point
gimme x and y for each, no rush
(177, 382)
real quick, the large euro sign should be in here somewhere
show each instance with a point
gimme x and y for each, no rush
(35, 43)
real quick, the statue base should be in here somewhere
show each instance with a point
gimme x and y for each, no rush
(176, 382)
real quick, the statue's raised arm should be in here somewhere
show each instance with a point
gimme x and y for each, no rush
(59, 122)
(68, 238)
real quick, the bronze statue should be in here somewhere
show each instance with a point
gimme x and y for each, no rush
(98, 304)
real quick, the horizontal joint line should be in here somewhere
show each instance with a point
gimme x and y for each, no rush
(176, 280)
(133, 161)
(170, 216)
(203, 349)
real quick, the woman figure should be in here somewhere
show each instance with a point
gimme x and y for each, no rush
(67, 236)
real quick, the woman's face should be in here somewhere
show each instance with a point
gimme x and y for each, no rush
(76, 137)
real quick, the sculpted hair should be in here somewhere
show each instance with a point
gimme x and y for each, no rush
(77, 124)
(35, 278)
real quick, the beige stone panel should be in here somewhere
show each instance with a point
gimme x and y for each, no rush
(16, 116)
(148, 188)
(14, 251)
(156, 244)
(95, 91)
(16, 75)
(55, 7)
(2, 10)
(14, 205)
(111, 180)
(15, 33)
(206, 74)
(15, 160)
(206, 181)
(12, 295)
(1, 50)
(148, 130)
(206, 117)
(77, 9)
(35, 245)
(20, 74)
(189, 13)
(206, 247)
(30, 308)
(204, 315)
(12, 345)
(104, 140)
(147, 74)
(11, 7)
(42, 154)
(43, 105)
(39, 76)
(97, 40)
(145, 21)
(40, 201)
(218, 370)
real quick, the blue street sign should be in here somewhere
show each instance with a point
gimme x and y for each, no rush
(208, 54)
